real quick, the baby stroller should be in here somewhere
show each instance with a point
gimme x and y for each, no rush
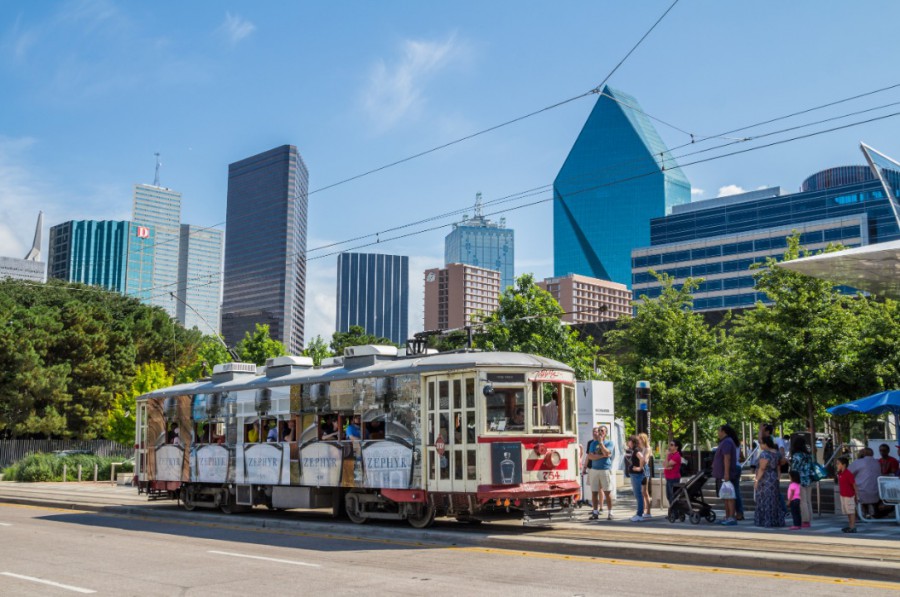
(689, 502)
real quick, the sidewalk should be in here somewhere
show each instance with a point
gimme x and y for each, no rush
(822, 550)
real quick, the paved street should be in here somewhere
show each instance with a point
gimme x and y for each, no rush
(48, 551)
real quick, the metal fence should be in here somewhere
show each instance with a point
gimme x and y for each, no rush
(13, 450)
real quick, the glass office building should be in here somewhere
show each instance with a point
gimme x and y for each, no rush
(199, 278)
(483, 243)
(160, 208)
(373, 292)
(610, 186)
(265, 247)
(719, 239)
(117, 256)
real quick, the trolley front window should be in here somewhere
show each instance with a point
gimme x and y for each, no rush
(505, 409)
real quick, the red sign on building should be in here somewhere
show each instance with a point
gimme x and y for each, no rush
(143, 232)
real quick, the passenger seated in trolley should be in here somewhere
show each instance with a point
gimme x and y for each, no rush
(517, 421)
(353, 430)
(551, 410)
(330, 428)
(375, 429)
(252, 432)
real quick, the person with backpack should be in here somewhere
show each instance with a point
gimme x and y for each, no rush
(673, 469)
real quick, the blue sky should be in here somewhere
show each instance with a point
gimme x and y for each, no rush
(91, 89)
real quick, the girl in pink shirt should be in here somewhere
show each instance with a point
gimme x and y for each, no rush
(793, 498)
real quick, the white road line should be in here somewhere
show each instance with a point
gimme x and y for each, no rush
(5, 524)
(241, 555)
(48, 582)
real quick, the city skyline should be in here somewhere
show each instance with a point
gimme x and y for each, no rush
(394, 83)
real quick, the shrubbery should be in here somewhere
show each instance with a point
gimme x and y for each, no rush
(49, 467)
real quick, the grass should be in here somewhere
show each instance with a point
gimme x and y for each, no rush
(49, 467)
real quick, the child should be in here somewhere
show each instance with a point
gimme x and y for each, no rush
(847, 485)
(793, 498)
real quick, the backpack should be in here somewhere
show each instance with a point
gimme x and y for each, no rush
(685, 469)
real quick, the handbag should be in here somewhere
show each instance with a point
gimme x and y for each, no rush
(817, 472)
(726, 491)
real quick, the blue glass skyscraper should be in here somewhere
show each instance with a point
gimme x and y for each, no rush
(199, 272)
(373, 292)
(117, 256)
(610, 186)
(483, 243)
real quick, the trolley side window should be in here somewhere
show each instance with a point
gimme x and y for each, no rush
(505, 409)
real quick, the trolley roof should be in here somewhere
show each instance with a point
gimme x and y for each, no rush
(451, 361)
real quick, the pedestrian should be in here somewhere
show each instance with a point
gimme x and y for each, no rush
(723, 469)
(866, 471)
(648, 472)
(672, 471)
(636, 466)
(847, 489)
(802, 462)
(769, 512)
(793, 498)
(598, 465)
(889, 465)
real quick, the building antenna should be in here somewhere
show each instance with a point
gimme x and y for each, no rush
(478, 206)
(156, 176)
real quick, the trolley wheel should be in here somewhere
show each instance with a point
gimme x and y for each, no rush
(421, 516)
(711, 517)
(187, 499)
(695, 518)
(351, 503)
(672, 517)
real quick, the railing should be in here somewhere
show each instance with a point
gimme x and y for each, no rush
(13, 450)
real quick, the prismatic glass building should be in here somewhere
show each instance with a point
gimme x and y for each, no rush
(483, 243)
(160, 208)
(117, 256)
(265, 246)
(719, 239)
(617, 177)
(199, 278)
(373, 292)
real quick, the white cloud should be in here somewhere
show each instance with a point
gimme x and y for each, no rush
(25, 190)
(395, 91)
(235, 28)
(731, 189)
(697, 192)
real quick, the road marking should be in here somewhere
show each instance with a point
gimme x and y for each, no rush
(243, 555)
(5, 524)
(48, 582)
(844, 582)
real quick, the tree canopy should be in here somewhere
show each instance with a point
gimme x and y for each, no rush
(529, 320)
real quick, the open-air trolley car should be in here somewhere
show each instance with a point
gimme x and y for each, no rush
(472, 435)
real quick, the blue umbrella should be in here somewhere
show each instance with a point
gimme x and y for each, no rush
(876, 404)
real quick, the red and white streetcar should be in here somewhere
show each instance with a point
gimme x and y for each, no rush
(471, 435)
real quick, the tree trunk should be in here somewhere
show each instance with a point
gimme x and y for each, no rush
(811, 412)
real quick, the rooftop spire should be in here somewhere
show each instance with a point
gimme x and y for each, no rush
(35, 253)
(156, 176)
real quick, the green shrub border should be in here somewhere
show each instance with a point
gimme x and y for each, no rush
(49, 467)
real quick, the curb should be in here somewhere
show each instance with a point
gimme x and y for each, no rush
(790, 563)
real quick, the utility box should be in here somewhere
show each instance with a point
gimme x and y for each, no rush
(595, 405)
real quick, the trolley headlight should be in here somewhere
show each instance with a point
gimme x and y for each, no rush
(553, 458)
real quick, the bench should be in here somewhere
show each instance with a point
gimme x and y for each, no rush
(889, 493)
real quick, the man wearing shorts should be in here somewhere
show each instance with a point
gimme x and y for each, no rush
(598, 465)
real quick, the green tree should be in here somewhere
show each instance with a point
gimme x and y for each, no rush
(797, 354)
(121, 416)
(259, 346)
(529, 320)
(877, 365)
(355, 336)
(317, 349)
(209, 353)
(683, 358)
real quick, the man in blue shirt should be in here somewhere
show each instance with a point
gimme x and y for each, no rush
(353, 430)
(598, 466)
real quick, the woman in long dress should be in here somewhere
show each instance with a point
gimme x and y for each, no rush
(769, 510)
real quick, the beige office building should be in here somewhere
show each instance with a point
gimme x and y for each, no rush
(457, 292)
(586, 300)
